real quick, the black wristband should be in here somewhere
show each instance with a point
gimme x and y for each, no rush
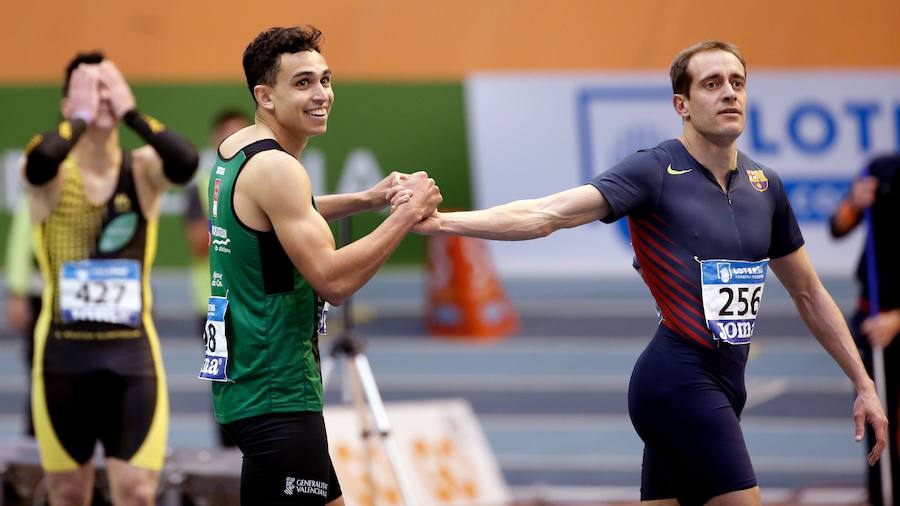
(179, 157)
(46, 151)
(130, 117)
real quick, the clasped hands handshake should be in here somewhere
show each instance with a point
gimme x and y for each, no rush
(414, 193)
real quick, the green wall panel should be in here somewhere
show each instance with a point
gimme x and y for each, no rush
(407, 127)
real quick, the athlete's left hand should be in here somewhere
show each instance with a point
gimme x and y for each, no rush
(400, 198)
(120, 97)
(883, 328)
(383, 191)
(430, 225)
(867, 408)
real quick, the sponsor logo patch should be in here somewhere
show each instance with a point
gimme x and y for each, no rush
(758, 179)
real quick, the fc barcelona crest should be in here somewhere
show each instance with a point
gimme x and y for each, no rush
(758, 179)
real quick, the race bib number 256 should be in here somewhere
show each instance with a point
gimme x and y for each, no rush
(732, 293)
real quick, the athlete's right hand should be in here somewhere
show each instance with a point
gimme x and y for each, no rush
(862, 193)
(121, 99)
(384, 191)
(84, 93)
(431, 225)
(423, 195)
(867, 408)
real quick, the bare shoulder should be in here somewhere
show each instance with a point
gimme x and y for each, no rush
(146, 166)
(273, 167)
(276, 182)
(145, 157)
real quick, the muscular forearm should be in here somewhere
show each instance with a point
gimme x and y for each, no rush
(353, 266)
(335, 207)
(516, 221)
(178, 155)
(825, 321)
(523, 219)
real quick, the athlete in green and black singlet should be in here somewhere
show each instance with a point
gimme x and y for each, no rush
(262, 353)
(270, 321)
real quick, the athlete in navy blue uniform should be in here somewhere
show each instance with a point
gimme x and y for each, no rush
(679, 214)
(706, 224)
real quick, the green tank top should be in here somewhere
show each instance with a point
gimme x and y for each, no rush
(270, 321)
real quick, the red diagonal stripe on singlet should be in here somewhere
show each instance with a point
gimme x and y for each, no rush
(690, 305)
(638, 238)
(676, 309)
(675, 318)
(683, 330)
(690, 300)
(668, 302)
(658, 217)
(646, 224)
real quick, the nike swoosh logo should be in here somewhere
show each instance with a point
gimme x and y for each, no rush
(674, 172)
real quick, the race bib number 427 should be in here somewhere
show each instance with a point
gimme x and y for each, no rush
(732, 293)
(101, 291)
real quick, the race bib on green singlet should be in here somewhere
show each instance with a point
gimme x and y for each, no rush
(732, 293)
(215, 361)
(107, 291)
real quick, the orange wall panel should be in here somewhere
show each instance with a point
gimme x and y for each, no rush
(424, 39)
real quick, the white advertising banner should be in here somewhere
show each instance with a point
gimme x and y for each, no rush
(535, 134)
(442, 449)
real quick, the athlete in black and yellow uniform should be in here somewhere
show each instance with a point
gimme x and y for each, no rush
(97, 373)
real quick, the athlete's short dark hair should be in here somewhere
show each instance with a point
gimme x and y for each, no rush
(87, 58)
(678, 72)
(261, 58)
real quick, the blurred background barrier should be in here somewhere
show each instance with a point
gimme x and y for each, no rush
(466, 298)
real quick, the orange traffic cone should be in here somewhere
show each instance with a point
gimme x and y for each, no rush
(465, 296)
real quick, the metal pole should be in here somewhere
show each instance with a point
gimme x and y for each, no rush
(365, 394)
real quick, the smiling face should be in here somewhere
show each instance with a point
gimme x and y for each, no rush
(301, 97)
(717, 99)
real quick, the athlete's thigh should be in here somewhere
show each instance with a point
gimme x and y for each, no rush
(702, 447)
(72, 409)
(286, 460)
(695, 447)
(130, 409)
(656, 480)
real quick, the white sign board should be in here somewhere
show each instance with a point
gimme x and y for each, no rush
(443, 451)
(534, 134)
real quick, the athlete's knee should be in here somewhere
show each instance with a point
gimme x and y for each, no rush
(68, 490)
(747, 497)
(135, 492)
(130, 485)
